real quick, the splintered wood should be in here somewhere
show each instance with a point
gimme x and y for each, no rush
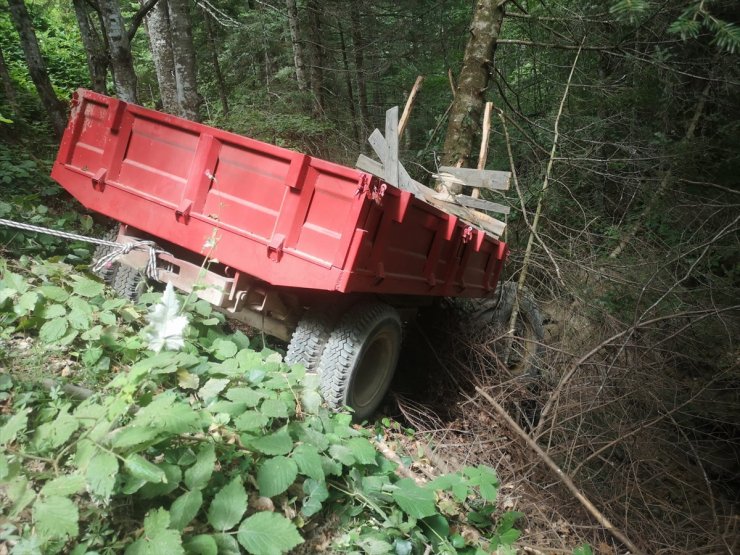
(465, 207)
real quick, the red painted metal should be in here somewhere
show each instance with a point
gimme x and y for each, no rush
(281, 216)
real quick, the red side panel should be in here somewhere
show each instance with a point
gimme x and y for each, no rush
(278, 215)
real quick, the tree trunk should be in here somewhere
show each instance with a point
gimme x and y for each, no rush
(348, 82)
(214, 59)
(359, 46)
(472, 83)
(160, 44)
(298, 56)
(316, 53)
(37, 67)
(97, 57)
(184, 57)
(122, 64)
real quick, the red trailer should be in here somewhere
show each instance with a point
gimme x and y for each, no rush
(315, 253)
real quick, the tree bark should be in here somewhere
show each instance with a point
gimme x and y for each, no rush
(36, 66)
(160, 43)
(121, 61)
(359, 46)
(184, 57)
(475, 75)
(348, 83)
(316, 54)
(97, 57)
(295, 38)
(216, 65)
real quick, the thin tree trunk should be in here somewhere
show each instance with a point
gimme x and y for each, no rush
(467, 108)
(216, 66)
(8, 87)
(97, 57)
(359, 46)
(295, 38)
(37, 67)
(316, 53)
(160, 44)
(348, 82)
(184, 56)
(122, 63)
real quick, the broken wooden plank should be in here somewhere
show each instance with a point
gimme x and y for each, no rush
(409, 105)
(367, 164)
(482, 204)
(391, 161)
(380, 146)
(478, 219)
(484, 179)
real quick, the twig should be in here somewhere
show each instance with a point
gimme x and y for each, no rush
(577, 493)
(483, 156)
(409, 105)
(392, 456)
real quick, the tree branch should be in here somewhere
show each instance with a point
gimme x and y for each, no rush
(138, 18)
(555, 45)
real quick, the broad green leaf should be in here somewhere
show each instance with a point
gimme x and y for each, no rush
(437, 528)
(141, 468)
(87, 288)
(584, 549)
(101, 474)
(268, 533)
(375, 546)
(278, 443)
(54, 311)
(166, 324)
(56, 517)
(247, 395)
(310, 401)
(187, 380)
(227, 544)
(274, 408)
(509, 537)
(168, 414)
(212, 388)
(64, 485)
(228, 506)
(53, 330)
(54, 293)
(51, 435)
(276, 475)
(27, 303)
(316, 493)
(202, 544)
(157, 539)
(251, 420)
(414, 500)
(133, 436)
(485, 478)
(362, 450)
(342, 453)
(198, 475)
(223, 349)
(227, 407)
(403, 547)
(184, 509)
(173, 475)
(15, 424)
(309, 461)
(79, 320)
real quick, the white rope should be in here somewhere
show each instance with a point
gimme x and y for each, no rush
(118, 249)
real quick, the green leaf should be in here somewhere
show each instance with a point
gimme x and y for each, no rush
(198, 475)
(403, 547)
(223, 349)
(414, 500)
(54, 293)
(157, 539)
(15, 424)
(212, 388)
(316, 493)
(311, 401)
(173, 474)
(342, 453)
(184, 509)
(51, 435)
(251, 420)
(203, 544)
(101, 474)
(362, 450)
(247, 395)
(27, 303)
(133, 436)
(584, 549)
(309, 461)
(268, 533)
(54, 311)
(53, 330)
(438, 528)
(56, 517)
(276, 475)
(64, 485)
(141, 468)
(274, 408)
(227, 544)
(375, 546)
(278, 443)
(228, 506)
(485, 478)
(87, 287)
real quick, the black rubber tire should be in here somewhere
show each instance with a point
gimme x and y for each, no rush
(360, 358)
(525, 354)
(129, 282)
(310, 338)
(107, 272)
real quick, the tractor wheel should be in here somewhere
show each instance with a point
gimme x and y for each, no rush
(360, 358)
(129, 282)
(524, 356)
(107, 272)
(309, 338)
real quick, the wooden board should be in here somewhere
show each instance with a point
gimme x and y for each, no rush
(482, 204)
(482, 179)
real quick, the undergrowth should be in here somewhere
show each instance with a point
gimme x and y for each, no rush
(218, 447)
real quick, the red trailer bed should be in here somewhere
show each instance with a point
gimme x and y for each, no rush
(285, 218)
